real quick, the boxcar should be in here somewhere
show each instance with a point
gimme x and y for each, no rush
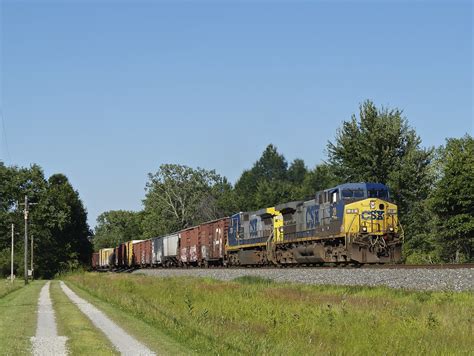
(116, 256)
(204, 244)
(121, 255)
(170, 250)
(190, 248)
(95, 260)
(143, 253)
(105, 257)
(157, 251)
(130, 262)
(213, 238)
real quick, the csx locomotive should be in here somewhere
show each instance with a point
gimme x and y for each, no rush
(353, 223)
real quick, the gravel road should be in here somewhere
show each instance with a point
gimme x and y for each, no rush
(416, 279)
(123, 342)
(47, 341)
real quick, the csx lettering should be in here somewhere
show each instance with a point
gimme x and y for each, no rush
(253, 227)
(311, 216)
(372, 215)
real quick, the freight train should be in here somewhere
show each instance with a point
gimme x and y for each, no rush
(353, 223)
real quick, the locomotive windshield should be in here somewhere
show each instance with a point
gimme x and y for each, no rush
(377, 193)
(352, 193)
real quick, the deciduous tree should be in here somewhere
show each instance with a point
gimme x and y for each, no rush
(453, 200)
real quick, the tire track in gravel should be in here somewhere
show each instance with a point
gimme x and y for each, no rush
(47, 341)
(123, 342)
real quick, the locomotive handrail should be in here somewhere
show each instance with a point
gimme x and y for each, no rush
(352, 221)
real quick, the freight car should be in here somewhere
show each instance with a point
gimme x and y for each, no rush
(95, 260)
(165, 250)
(105, 258)
(351, 223)
(203, 245)
(142, 253)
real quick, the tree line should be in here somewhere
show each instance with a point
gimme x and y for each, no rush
(58, 222)
(433, 187)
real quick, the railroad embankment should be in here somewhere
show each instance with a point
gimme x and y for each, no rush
(254, 315)
(429, 279)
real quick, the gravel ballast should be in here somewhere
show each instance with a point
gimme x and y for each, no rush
(47, 341)
(414, 279)
(123, 342)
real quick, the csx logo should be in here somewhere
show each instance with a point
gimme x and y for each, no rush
(253, 227)
(372, 215)
(311, 216)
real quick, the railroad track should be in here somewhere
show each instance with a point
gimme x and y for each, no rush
(329, 266)
(426, 266)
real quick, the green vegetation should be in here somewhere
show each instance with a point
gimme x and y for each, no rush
(7, 287)
(257, 316)
(18, 319)
(58, 221)
(83, 336)
(135, 326)
(116, 226)
(178, 196)
(453, 200)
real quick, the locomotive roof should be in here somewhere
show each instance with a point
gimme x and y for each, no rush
(363, 186)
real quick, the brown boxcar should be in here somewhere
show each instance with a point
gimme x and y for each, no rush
(116, 256)
(189, 246)
(142, 253)
(204, 244)
(122, 255)
(95, 260)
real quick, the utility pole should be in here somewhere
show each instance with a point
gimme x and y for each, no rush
(13, 246)
(32, 275)
(26, 239)
(26, 212)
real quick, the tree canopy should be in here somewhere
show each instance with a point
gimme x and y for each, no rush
(58, 221)
(453, 200)
(117, 226)
(178, 196)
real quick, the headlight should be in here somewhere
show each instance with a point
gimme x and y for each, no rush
(352, 211)
(390, 229)
(364, 228)
(372, 205)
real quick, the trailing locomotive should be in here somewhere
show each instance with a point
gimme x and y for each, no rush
(351, 223)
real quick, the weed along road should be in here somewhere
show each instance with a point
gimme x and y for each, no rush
(123, 342)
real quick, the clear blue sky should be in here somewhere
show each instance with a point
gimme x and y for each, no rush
(105, 92)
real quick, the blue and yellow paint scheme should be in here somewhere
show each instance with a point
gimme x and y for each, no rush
(353, 222)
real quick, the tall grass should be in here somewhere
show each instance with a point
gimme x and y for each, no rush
(6, 286)
(258, 316)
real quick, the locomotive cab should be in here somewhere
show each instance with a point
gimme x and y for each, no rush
(370, 223)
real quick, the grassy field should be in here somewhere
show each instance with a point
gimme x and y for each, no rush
(18, 319)
(255, 316)
(8, 287)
